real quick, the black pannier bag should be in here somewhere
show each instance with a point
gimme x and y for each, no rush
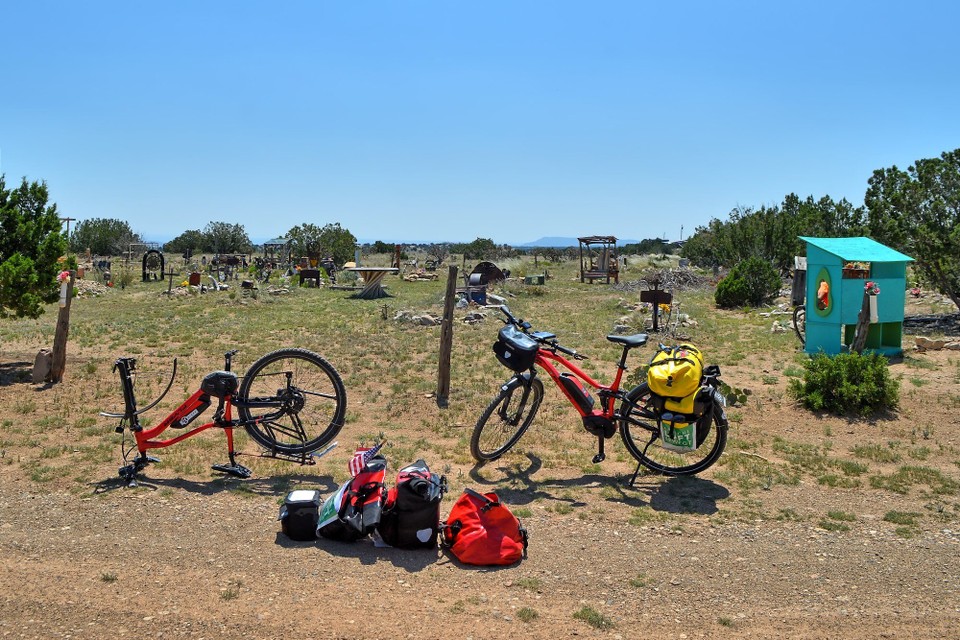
(515, 350)
(299, 514)
(411, 515)
(354, 511)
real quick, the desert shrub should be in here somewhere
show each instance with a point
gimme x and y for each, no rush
(753, 282)
(847, 383)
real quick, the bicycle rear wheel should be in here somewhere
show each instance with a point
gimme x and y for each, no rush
(640, 431)
(505, 419)
(302, 401)
(800, 323)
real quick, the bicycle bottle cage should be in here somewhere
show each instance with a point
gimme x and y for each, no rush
(220, 384)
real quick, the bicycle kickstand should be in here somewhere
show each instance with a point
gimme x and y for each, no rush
(601, 456)
(633, 479)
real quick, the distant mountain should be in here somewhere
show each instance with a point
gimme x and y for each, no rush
(555, 242)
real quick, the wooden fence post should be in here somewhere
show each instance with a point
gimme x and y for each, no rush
(59, 359)
(446, 338)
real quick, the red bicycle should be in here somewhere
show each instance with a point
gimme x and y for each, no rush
(640, 415)
(291, 402)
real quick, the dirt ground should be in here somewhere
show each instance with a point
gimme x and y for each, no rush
(191, 557)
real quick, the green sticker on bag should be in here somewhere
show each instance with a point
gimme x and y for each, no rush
(678, 436)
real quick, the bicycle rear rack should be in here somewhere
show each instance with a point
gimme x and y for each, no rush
(304, 459)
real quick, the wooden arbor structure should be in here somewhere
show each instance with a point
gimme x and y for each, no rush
(598, 259)
(276, 252)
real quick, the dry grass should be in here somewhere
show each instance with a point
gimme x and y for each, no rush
(56, 437)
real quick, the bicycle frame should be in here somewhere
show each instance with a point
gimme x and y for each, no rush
(600, 422)
(630, 411)
(147, 438)
(608, 393)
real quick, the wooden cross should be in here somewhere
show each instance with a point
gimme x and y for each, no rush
(656, 296)
(171, 274)
(68, 221)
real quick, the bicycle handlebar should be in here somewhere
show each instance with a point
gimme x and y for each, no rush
(525, 326)
(569, 352)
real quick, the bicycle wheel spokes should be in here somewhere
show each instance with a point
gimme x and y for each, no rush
(511, 410)
(506, 419)
(306, 398)
(290, 430)
(640, 431)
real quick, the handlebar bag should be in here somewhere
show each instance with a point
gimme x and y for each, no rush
(481, 530)
(514, 349)
(411, 514)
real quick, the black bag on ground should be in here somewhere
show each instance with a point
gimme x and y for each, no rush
(411, 515)
(299, 514)
(353, 512)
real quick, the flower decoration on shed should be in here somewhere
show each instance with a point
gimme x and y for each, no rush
(871, 288)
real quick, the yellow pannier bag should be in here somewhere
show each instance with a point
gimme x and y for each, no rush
(675, 374)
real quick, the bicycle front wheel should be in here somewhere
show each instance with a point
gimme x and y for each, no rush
(640, 431)
(297, 400)
(505, 420)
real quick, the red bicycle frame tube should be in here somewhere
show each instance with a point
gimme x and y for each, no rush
(544, 357)
(146, 437)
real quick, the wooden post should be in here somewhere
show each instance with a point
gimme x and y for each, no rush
(863, 326)
(396, 256)
(59, 359)
(655, 297)
(446, 338)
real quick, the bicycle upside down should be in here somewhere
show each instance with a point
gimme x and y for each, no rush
(291, 402)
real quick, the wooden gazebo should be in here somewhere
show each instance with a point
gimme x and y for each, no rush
(598, 259)
(277, 251)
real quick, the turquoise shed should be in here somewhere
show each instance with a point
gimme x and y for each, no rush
(837, 272)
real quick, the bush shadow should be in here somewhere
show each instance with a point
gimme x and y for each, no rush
(687, 495)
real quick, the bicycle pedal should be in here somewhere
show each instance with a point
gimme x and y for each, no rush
(153, 459)
(233, 469)
(600, 457)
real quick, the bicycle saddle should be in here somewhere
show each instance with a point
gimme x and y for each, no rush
(636, 340)
(220, 384)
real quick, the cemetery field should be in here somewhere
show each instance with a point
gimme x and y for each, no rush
(809, 526)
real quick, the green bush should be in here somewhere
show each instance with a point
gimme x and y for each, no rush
(847, 383)
(753, 282)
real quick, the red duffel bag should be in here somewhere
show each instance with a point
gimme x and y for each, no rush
(481, 530)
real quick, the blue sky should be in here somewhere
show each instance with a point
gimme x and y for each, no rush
(429, 121)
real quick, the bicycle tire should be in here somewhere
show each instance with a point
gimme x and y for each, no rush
(800, 323)
(313, 401)
(637, 416)
(515, 408)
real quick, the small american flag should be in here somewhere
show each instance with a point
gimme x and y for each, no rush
(362, 456)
